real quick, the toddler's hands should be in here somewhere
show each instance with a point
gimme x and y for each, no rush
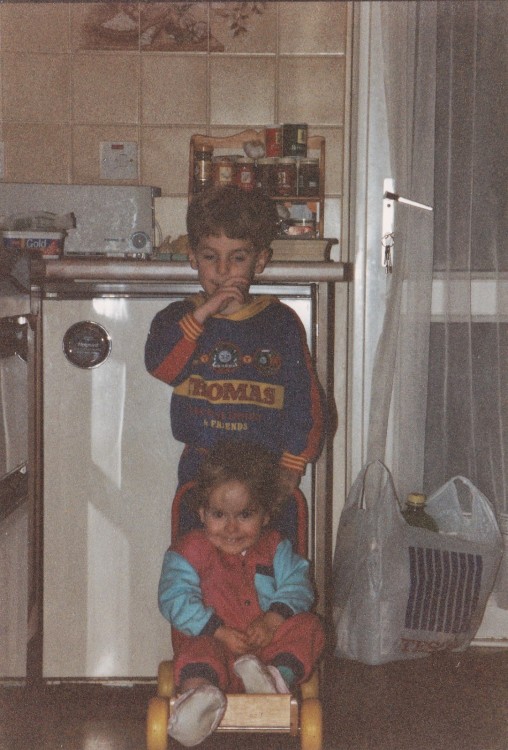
(234, 640)
(261, 630)
(259, 634)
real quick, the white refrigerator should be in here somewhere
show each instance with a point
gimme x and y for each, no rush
(109, 476)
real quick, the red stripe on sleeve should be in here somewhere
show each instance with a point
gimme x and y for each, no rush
(173, 364)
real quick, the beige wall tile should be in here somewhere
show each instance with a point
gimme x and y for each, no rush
(242, 90)
(105, 26)
(170, 214)
(35, 27)
(310, 27)
(86, 151)
(242, 29)
(165, 158)
(311, 89)
(173, 89)
(105, 88)
(35, 89)
(37, 153)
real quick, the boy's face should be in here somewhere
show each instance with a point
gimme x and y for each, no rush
(221, 261)
(233, 521)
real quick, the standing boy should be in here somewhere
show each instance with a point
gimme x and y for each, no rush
(239, 365)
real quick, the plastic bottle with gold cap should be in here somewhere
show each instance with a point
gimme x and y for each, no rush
(415, 514)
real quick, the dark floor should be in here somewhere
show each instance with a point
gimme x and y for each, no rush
(442, 702)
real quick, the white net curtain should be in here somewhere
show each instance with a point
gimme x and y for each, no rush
(467, 415)
(439, 376)
(467, 422)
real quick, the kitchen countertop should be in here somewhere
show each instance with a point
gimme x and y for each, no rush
(121, 270)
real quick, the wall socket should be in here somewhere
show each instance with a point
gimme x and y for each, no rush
(119, 160)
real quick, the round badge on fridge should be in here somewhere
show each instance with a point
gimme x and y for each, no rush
(86, 344)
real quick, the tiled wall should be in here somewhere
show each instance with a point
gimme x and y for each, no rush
(75, 74)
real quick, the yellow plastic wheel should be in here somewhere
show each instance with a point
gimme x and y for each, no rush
(310, 688)
(165, 681)
(157, 724)
(311, 724)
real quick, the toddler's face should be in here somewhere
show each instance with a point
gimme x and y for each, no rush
(221, 260)
(233, 521)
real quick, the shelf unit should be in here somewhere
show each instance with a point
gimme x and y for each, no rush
(232, 144)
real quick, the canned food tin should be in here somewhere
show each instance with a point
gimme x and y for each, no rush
(266, 176)
(294, 139)
(273, 141)
(223, 170)
(308, 177)
(286, 177)
(245, 173)
(202, 168)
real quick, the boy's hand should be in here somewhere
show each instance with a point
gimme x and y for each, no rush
(289, 480)
(261, 630)
(232, 291)
(234, 640)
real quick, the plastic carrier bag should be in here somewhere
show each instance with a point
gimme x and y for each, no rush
(402, 592)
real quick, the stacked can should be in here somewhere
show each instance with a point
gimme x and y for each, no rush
(283, 172)
(202, 168)
(294, 139)
(286, 182)
(273, 141)
(223, 170)
(266, 177)
(245, 173)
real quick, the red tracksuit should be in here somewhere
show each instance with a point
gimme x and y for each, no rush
(202, 588)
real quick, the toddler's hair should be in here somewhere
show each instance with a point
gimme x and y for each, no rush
(239, 214)
(248, 463)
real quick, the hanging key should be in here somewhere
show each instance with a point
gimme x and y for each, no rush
(387, 257)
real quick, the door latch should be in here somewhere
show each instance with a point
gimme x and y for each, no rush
(389, 200)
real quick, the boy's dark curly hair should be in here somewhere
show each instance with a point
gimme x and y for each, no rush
(250, 464)
(239, 214)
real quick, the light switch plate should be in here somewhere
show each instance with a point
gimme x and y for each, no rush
(119, 160)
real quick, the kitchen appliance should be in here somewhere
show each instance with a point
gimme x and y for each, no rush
(14, 333)
(109, 473)
(111, 220)
(110, 470)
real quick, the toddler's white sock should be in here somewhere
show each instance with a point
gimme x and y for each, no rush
(258, 677)
(196, 714)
